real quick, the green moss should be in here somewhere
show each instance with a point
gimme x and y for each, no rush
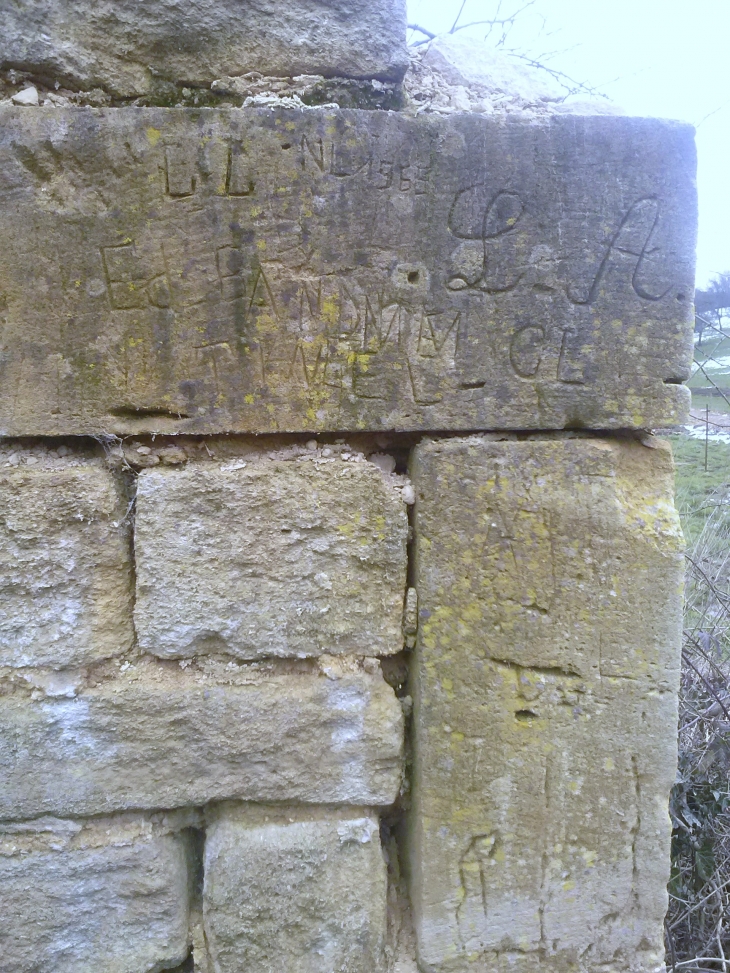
(166, 94)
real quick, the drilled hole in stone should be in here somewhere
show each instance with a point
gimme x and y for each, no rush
(525, 715)
(413, 276)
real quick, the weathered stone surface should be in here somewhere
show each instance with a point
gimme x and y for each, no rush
(298, 895)
(65, 575)
(78, 901)
(549, 576)
(158, 736)
(130, 49)
(258, 270)
(292, 558)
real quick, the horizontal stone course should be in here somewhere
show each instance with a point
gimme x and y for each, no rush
(159, 736)
(128, 49)
(66, 588)
(298, 895)
(549, 575)
(275, 558)
(271, 271)
(117, 904)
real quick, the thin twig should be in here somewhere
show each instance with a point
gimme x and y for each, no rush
(708, 687)
(458, 16)
(421, 30)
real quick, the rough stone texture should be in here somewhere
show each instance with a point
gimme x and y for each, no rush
(78, 901)
(549, 576)
(158, 736)
(469, 63)
(456, 73)
(288, 270)
(129, 48)
(65, 574)
(270, 559)
(305, 896)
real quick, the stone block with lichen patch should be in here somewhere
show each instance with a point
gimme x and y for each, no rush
(270, 558)
(549, 578)
(156, 735)
(66, 588)
(295, 892)
(84, 897)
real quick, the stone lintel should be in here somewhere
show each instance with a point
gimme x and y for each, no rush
(210, 271)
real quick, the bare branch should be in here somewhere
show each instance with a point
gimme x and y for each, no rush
(421, 30)
(570, 84)
(493, 21)
(458, 16)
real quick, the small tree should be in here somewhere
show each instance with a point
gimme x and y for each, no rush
(712, 306)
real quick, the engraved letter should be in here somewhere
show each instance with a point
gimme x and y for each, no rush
(632, 238)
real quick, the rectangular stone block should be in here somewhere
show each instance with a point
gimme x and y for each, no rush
(84, 899)
(283, 270)
(154, 48)
(65, 576)
(549, 577)
(301, 895)
(270, 558)
(158, 736)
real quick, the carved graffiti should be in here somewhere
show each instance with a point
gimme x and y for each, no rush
(249, 305)
(483, 222)
(226, 167)
(526, 348)
(474, 879)
(135, 278)
(476, 217)
(633, 239)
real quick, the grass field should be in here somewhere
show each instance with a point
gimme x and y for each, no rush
(697, 489)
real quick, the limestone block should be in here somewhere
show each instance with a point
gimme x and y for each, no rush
(158, 736)
(270, 559)
(129, 48)
(65, 576)
(549, 579)
(285, 271)
(303, 896)
(76, 901)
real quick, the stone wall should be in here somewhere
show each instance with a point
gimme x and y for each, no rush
(340, 573)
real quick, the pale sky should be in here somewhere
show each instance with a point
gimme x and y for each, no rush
(667, 58)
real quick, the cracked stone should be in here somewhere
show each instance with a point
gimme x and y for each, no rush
(130, 49)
